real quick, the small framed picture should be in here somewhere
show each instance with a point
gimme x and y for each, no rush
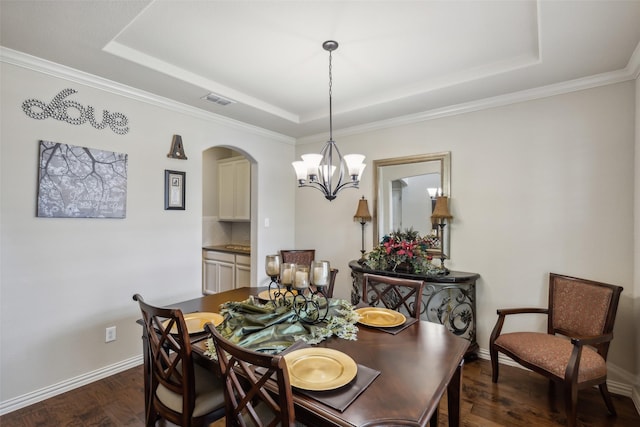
(174, 190)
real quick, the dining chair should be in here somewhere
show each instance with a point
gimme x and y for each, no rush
(298, 256)
(573, 352)
(332, 282)
(395, 293)
(176, 389)
(244, 372)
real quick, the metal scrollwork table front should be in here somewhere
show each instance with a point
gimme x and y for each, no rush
(448, 299)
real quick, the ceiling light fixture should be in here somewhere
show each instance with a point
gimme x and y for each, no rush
(318, 170)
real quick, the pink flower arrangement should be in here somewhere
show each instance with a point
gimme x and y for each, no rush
(403, 247)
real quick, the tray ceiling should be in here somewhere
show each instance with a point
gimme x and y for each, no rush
(395, 58)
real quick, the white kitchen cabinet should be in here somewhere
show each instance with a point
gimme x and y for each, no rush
(234, 189)
(243, 271)
(218, 272)
(222, 271)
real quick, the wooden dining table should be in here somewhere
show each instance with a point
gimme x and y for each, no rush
(417, 366)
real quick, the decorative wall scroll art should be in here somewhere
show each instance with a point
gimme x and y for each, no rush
(177, 150)
(81, 182)
(74, 113)
(174, 190)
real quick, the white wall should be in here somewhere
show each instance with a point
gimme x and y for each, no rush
(64, 280)
(636, 252)
(536, 187)
(556, 173)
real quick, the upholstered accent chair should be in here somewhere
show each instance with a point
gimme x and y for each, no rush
(176, 389)
(245, 373)
(395, 293)
(573, 352)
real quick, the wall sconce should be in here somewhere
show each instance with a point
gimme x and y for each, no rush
(362, 215)
(438, 217)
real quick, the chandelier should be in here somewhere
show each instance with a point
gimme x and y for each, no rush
(329, 171)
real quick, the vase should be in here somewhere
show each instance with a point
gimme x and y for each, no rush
(404, 267)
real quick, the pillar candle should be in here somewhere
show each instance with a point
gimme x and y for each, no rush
(286, 277)
(302, 279)
(319, 277)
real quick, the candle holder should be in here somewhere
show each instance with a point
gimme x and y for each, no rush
(292, 288)
(272, 267)
(281, 289)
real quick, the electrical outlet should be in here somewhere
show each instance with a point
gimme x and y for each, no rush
(110, 334)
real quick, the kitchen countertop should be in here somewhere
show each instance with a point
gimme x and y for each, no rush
(231, 248)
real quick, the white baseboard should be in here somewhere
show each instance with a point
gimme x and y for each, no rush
(70, 384)
(616, 387)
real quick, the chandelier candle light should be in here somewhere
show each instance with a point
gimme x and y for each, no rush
(300, 288)
(318, 170)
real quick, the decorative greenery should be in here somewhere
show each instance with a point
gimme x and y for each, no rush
(271, 329)
(405, 247)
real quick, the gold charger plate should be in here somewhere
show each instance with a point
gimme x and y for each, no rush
(264, 295)
(318, 368)
(196, 321)
(380, 317)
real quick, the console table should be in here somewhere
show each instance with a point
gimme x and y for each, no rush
(446, 299)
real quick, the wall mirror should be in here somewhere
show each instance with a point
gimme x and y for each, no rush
(405, 189)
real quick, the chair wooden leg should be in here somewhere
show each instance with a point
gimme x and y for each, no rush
(552, 395)
(494, 364)
(571, 403)
(604, 391)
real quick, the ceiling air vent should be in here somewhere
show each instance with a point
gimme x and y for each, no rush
(218, 99)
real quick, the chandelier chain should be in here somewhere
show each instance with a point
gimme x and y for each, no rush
(330, 96)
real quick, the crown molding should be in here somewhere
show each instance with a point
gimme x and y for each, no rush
(633, 66)
(630, 72)
(53, 69)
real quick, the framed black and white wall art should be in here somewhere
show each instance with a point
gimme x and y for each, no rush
(81, 182)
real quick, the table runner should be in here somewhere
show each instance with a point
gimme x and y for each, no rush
(271, 329)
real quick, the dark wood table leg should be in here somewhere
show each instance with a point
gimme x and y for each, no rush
(433, 422)
(454, 391)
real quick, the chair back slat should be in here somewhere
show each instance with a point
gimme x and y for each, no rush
(332, 282)
(298, 256)
(170, 357)
(403, 295)
(247, 376)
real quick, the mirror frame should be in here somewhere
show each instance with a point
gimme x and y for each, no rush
(443, 158)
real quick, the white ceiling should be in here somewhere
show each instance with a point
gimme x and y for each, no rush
(395, 57)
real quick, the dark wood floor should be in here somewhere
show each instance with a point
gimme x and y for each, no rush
(520, 398)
